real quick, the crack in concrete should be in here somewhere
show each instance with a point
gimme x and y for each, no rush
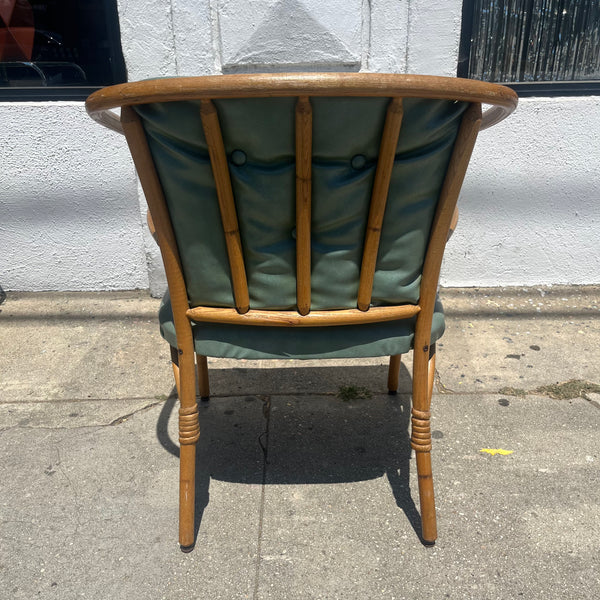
(116, 421)
(7, 521)
(567, 390)
(440, 387)
(439, 384)
(594, 403)
(263, 440)
(71, 485)
(124, 418)
(80, 400)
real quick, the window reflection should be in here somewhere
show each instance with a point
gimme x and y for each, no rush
(58, 43)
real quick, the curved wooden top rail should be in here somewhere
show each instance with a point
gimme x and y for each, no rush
(502, 100)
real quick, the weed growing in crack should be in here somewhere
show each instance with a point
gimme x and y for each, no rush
(346, 393)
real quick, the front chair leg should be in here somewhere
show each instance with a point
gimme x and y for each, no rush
(421, 444)
(421, 440)
(189, 433)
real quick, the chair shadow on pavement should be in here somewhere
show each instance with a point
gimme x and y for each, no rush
(310, 437)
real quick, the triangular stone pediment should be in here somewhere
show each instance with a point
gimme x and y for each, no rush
(290, 36)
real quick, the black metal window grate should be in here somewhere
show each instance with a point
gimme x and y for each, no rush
(537, 46)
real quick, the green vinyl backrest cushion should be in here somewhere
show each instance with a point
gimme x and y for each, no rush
(259, 139)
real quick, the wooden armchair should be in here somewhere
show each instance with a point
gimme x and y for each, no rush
(302, 216)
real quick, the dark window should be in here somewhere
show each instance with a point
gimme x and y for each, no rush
(537, 46)
(58, 48)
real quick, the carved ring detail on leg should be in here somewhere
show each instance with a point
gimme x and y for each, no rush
(189, 426)
(421, 431)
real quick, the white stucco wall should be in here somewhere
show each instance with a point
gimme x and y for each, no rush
(433, 37)
(72, 213)
(69, 216)
(530, 204)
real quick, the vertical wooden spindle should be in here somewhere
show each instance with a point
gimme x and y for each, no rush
(385, 164)
(303, 202)
(218, 160)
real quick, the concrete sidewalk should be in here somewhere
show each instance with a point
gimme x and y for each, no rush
(306, 486)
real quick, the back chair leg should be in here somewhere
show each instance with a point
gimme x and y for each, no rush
(393, 372)
(175, 365)
(431, 372)
(202, 373)
(421, 439)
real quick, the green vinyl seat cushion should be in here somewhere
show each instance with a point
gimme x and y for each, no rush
(254, 342)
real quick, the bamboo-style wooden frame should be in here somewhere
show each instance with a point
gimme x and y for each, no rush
(303, 86)
(303, 202)
(383, 174)
(218, 160)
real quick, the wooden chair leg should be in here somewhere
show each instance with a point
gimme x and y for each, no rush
(175, 365)
(421, 441)
(202, 373)
(431, 373)
(453, 223)
(393, 372)
(189, 433)
(187, 496)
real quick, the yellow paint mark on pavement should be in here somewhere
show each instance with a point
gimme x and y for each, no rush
(494, 451)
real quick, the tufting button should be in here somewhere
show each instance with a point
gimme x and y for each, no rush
(358, 161)
(238, 158)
